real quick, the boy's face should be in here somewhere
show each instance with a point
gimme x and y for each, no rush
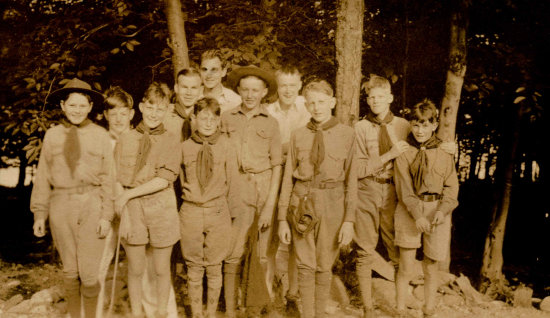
(252, 91)
(76, 108)
(288, 87)
(379, 100)
(320, 105)
(422, 131)
(188, 89)
(119, 119)
(206, 122)
(153, 114)
(212, 72)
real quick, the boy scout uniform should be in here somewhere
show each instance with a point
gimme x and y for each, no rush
(153, 218)
(334, 192)
(205, 221)
(256, 142)
(438, 192)
(178, 122)
(75, 202)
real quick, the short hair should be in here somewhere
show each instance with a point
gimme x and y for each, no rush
(376, 81)
(318, 85)
(191, 71)
(207, 103)
(424, 111)
(115, 97)
(157, 93)
(214, 53)
(289, 70)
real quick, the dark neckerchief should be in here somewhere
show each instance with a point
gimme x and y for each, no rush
(384, 140)
(419, 166)
(145, 143)
(318, 148)
(186, 127)
(71, 147)
(205, 157)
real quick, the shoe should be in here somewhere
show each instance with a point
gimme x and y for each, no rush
(369, 313)
(292, 308)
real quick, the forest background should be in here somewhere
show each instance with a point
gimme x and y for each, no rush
(500, 128)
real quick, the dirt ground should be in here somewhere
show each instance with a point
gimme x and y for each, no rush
(18, 284)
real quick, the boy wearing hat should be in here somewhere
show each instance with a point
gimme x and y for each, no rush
(213, 68)
(318, 196)
(427, 188)
(73, 188)
(255, 137)
(188, 89)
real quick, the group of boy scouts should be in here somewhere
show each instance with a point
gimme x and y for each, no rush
(253, 180)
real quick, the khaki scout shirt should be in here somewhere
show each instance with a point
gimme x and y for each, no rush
(174, 123)
(163, 160)
(368, 157)
(339, 165)
(440, 179)
(95, 167)
(256, 140)
(224, 164)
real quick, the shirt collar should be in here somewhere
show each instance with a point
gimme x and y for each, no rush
(258, 110)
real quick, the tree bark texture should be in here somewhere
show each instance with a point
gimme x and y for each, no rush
(453, 84)
(455, 73)
(349, 41)
(491, 268)
(176, 30)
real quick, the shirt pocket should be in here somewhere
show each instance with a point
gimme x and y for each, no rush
(337, 158)
(94, 160)
(190, 168)
(438, 177)
(260, 143)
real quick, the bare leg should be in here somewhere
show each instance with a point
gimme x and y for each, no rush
(136, 268)
(161, 258)
(430, 268)
(403, 277)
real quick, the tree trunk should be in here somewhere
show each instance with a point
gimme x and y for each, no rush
(453, 84)
(176, 29)
(349, 41)
(22, 170)
(492, 277)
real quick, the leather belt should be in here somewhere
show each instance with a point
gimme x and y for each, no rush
(380, 180)
(430, 197)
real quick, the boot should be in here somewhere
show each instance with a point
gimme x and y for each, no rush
(322, 292)
(292, 306)
(194, 286)
(89, 297)
(214, 279)
(72, 296)
(306, 285)
(231, 272)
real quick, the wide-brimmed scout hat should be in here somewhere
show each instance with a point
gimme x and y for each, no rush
(79, 86)
(235, 76)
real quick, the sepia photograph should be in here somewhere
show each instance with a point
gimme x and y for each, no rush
(274, 158)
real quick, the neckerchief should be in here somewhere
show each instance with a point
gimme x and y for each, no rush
(419, 166)
(205, 157)
(145, 143)
(71, 147)
(186, 127)
(318, 148)
(384, 141)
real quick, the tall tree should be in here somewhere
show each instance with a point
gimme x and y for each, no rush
(176, 29)
(349, 41)
(453, 84)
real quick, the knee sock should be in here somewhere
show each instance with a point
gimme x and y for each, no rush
(194, 286)
(89, 296)
(322, 292)
(306, 286)
(364, 275)
(215, 280)
(72, 295)
(230, 271)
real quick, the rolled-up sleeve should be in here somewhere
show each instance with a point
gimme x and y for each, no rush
(170, 160)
